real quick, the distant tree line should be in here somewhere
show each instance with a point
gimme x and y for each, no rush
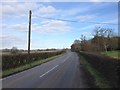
(103, 40)
(15, 50)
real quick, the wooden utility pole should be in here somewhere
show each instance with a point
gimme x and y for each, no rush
(29, 33)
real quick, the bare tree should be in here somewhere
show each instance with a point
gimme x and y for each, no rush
(77, 42)
(96, 34)
(102, 38)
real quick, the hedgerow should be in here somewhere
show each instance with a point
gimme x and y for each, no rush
(15, 60)
(108, 67)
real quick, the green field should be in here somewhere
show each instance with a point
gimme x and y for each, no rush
(114, 54)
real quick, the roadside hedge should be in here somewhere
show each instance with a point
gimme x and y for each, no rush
(108, 67)
(15, 60)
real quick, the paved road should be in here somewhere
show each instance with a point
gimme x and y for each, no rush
(62, 72)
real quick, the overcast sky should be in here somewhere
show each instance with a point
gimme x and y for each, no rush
(48, 33)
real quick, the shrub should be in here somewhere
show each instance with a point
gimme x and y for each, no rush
(15, 60)
(108, 67)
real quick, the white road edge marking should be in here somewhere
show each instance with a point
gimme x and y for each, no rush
(49, 71)
(17, 73)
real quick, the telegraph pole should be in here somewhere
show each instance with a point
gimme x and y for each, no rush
(29, 34)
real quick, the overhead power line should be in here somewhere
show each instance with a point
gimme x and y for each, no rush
(77, 21)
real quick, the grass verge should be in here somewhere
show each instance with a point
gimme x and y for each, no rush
(100, 81)
(114, 54)
(27, 66)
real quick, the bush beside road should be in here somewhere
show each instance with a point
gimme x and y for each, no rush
(105, 66)
(18, 62)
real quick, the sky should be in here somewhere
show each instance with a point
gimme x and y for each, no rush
(47, 31)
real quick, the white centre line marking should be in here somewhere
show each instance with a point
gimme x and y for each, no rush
(48, 71)
(65, 60)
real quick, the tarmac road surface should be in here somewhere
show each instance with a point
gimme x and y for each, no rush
(62, 72)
